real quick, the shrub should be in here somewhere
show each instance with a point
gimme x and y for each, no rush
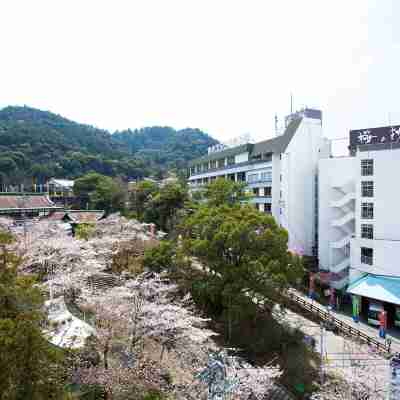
(160, 258)
(84, 231)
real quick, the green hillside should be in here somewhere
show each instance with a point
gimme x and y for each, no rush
(40, 144)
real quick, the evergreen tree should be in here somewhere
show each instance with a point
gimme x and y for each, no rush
(30, 368)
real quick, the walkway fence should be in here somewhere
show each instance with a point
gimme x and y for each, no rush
(338, 324)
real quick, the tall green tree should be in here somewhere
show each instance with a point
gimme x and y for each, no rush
(164, 207)
(140, 196)
(222, 191)
(29, 367)
(100, 192)
(244, 251)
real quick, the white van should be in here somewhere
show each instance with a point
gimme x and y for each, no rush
(374, 310)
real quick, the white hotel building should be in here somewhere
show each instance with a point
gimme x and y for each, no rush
(359, 219)
(281, 173)
(344, 210)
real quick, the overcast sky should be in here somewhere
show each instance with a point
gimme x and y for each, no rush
(224, 66)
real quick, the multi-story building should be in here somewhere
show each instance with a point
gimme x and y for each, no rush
(281, 174)
(359, 217)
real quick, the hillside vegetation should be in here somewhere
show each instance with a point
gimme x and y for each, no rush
(40, 144)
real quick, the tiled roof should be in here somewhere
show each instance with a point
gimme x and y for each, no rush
(56, 216)
(12, 201)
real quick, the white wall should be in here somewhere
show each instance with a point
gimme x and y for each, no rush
(276, 170)
(386, 221)
(299, 168)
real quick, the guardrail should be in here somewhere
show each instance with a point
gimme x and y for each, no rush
(339, 324)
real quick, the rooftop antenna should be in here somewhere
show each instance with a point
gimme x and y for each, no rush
(291, 103)
(276, 125)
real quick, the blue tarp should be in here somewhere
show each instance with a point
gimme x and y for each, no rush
(377, 287)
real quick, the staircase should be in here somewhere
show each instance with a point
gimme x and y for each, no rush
(341, 266)
(343, 200)
(345, 227)
(343, 220)
(341, 242)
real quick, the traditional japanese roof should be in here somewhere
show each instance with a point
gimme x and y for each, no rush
(30, 201)
(84, 216)
(57, 216)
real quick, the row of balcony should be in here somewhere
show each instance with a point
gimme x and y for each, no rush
(228, 166)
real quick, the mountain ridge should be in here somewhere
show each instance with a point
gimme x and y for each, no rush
(42, 144)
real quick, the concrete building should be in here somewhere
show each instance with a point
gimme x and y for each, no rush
(281, 174)
(359, 219)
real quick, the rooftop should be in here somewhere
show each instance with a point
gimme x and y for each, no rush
(62, 182)
(25, 201)
(84, 216)
(275, 145)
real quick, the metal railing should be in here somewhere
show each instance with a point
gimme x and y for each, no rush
(339, 324)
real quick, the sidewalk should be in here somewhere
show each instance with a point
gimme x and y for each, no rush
(393, 334)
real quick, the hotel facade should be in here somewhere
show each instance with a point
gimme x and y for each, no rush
(280, 174)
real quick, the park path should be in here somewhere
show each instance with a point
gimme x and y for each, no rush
(393, 334)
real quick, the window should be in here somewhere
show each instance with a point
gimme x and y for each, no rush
(367, 189)
(267, 191)
(367, 231)
(367, 255)
(231, 160)
(266, 176)
(280, 194)
(256, 191)
(252, 178)
(221, 163)
(213, 164)
(205, 167)
(241, 176)
(367, 167)
(367, 210)
(267, 156)
(267, 208)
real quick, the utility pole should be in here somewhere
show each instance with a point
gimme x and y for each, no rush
(322, 352)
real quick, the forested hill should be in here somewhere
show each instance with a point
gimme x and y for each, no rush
(40, 144)
(164, 145)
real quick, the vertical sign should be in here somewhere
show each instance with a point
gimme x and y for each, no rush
(356, 307)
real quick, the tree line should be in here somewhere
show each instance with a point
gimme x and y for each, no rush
(36, 145)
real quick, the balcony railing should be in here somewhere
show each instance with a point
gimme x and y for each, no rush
(229, 166)
(260, 181)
